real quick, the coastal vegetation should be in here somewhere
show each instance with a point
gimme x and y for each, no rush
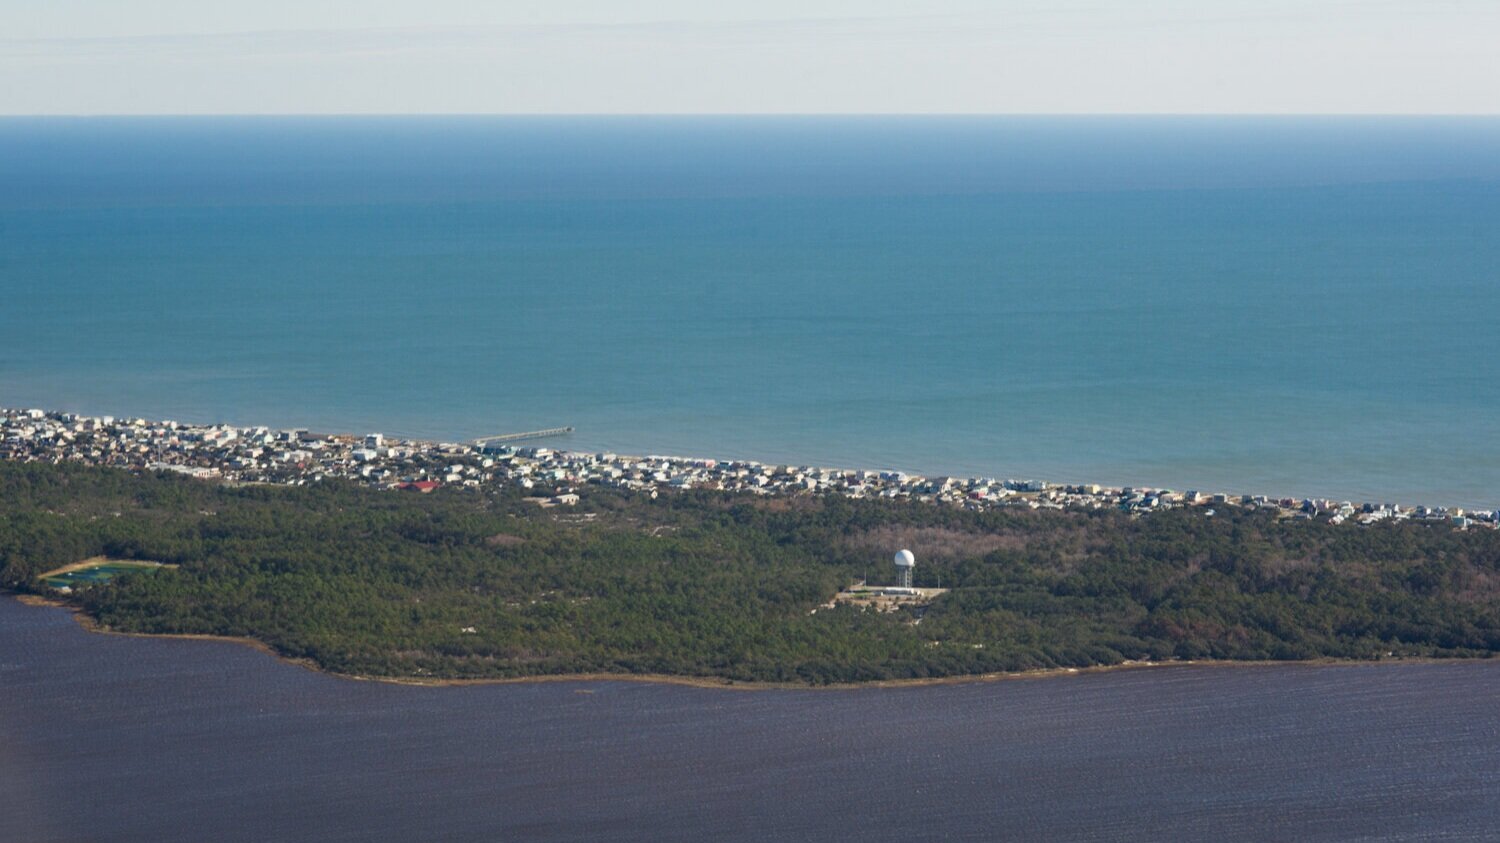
(481, 583)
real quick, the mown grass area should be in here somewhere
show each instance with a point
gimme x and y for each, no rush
(94, 572)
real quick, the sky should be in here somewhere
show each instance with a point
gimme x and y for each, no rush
(770, 56)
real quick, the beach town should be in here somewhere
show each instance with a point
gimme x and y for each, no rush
(557, 477)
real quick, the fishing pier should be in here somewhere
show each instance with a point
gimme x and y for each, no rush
(523, 436)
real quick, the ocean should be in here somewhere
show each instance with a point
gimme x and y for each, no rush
(159, 741)
(1287, 306)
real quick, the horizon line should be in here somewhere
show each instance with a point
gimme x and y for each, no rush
(1285, 114)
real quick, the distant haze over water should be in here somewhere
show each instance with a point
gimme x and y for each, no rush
(1301, 306)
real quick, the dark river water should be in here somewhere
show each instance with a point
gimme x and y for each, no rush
(105, 738)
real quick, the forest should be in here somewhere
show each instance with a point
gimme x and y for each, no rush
(481, 583)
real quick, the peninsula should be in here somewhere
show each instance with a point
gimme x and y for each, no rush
(407, 560)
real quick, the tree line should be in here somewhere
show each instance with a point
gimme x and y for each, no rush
(472, 583)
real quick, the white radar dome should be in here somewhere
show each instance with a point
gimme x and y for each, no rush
(905, 559)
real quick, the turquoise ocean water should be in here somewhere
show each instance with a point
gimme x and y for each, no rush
(1303, 306)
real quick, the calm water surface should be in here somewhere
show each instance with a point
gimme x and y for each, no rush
(119, 739)
(1264, 305)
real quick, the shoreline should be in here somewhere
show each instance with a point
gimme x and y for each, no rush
(89, 624)
(262, 455)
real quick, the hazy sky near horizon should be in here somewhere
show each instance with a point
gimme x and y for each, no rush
(781, 56)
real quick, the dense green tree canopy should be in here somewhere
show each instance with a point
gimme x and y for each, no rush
(471, 583)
